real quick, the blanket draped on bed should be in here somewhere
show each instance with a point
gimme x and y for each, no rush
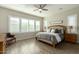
(54, 37)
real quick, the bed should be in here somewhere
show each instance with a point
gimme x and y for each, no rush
(53, 36)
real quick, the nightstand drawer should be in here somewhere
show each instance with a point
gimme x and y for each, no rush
(71, 37)
(71, 40)
(1, 46)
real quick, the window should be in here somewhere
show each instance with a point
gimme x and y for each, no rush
(24, 25)
(37, 25)
(72, 22)
(31, 25)
(17, 24)
(14, 24)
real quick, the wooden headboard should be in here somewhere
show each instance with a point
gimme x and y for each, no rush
(58, 26)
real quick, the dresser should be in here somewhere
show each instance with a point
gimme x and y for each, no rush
(2, 43)
(69, 37)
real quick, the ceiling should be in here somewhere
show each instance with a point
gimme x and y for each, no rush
(52, 8)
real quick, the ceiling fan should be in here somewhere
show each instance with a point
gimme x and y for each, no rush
(40, 7)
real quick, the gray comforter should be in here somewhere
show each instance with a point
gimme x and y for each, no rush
(53, 37)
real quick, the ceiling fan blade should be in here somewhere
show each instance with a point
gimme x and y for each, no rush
(40, 6)
(45, 9)
(43, 5)
(35, 10)
(36, 6)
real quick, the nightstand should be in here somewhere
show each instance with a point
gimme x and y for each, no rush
(69, 37)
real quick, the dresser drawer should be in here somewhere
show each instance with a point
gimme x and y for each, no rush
(1, 46)
(71, 38)
(2, 43)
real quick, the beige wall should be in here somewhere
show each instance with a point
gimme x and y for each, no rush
(4, 13)
(64, 15)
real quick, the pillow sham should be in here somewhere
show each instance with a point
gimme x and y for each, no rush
(53, 30)
(59, 31)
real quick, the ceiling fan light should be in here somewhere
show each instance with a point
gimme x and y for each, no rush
(40, 9)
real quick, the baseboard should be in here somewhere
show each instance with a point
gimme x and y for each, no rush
(25, 38)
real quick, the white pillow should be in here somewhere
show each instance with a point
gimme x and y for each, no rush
(53, 30)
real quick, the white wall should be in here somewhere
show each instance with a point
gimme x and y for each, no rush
(4, 13)
(64, 15)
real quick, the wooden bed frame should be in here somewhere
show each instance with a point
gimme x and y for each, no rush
(61, 26)
(54, 27)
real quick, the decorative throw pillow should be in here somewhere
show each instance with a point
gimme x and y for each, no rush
(56, 31)
(59, 31)
(53, 30)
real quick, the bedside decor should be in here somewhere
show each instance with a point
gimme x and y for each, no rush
(70, 29)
